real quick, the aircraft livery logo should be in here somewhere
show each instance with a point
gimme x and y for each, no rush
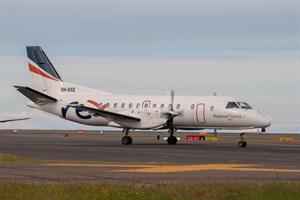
(65, 109)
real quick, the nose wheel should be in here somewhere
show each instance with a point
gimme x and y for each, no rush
(172, 139)
(242, 143)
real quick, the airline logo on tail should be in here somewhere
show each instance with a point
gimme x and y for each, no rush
(35, 70)
(40, 64)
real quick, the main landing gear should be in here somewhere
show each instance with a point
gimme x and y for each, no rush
(242, 143)
(172, 139)
(126, 140)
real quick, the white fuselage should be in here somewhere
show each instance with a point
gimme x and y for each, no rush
(195, 112)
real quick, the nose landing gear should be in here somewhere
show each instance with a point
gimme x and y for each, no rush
(172, 139)
(242, 143)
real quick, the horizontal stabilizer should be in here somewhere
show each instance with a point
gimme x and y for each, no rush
(106, 114)
(35, 96)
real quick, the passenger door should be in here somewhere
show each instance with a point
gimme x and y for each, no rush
(200, 113)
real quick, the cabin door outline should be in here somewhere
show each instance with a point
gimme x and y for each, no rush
(200, 113)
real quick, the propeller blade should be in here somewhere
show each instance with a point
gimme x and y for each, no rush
(172, 100)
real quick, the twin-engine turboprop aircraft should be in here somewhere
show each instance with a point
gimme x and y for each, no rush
(87, 106)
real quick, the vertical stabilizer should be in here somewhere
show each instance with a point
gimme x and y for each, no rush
(44, 76)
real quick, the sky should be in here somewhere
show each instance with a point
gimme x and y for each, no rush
(241, 48)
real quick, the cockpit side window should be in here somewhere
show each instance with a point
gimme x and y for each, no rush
(244, 105)
(232, 105)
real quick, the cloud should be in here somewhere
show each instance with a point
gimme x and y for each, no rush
(146, 27)
(196, 75)
(291, 125)
(21, 114)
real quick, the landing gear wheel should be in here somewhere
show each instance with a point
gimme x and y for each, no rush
(126, 140)
(172, 140)
(242, 144)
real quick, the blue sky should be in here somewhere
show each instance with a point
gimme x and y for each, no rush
(246, 49)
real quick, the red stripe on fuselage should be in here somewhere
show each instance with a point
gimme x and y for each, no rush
(39, 72)
(96, 104)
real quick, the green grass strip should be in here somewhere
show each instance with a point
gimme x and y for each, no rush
(9, 158)
(103, 191)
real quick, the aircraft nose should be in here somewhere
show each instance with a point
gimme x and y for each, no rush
(265, 122)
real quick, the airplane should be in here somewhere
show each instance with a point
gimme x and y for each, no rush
(11, 120)
(88, 106)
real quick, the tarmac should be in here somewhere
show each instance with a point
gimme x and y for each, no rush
(96, 156)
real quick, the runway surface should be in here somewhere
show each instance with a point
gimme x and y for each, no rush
(101, 156)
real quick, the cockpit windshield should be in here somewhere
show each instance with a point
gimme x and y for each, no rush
(242, 105)
(232, 105)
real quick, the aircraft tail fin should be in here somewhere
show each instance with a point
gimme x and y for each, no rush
(46, 80)
(44, 76)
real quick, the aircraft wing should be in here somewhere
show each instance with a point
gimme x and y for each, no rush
(106, 114)
(35, 96)
(10, 120)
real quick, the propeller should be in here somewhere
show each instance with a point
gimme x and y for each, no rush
(172, 100)
(170, 122)
(171, 113)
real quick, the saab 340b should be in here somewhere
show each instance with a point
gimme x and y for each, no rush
(51, 94)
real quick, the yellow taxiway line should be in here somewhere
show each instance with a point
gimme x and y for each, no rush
(182, 168)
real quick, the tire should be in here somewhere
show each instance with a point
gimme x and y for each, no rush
(242, 143)
(126, 140)
(172, 140)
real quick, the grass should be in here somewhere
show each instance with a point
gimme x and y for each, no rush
(113, 190)
(9, 158)
(12, 158)
(103, 191)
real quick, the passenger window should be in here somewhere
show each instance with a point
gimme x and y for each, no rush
(130, 105)
(192, 106)
(100, 104)
(107, 105)
(122, 105)
(232, 105)
(170, 106)
(115, 105)
(162, 105)
(137, 105)
(145, 105)
(154, 105)
(178, 106)
(244, 105)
